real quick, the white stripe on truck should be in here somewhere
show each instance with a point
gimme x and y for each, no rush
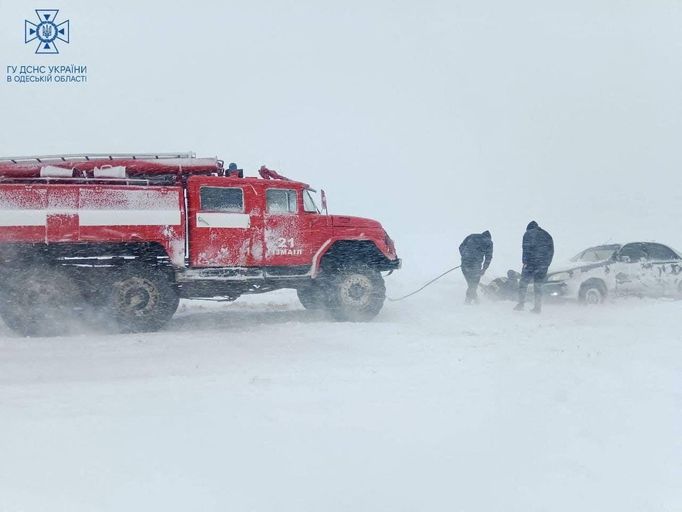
(129, 217)
(223, 220)
(24, 218)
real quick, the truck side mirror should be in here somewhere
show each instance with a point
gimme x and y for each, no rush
(323, 196)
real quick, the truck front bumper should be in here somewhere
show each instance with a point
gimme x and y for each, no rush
(391, 265)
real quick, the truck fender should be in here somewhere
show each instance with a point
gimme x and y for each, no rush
(326, 246)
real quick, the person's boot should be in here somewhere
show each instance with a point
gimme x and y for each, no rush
(538, 304)
(522, 299)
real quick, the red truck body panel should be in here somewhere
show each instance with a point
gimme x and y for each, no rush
(55, 213)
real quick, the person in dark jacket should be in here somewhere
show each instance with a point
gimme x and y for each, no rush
(477, 252)
(538, 251)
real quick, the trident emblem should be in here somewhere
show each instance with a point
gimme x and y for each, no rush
(46, 31)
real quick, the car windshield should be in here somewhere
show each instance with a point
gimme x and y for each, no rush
(595, 254)
(309, 202)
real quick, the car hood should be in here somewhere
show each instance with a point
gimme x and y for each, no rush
(574, 265)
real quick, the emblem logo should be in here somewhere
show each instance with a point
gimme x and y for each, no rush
(46, 31)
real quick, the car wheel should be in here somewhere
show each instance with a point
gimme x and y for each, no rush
(592, 292)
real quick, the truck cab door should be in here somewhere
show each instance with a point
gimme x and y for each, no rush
(220, 222)
(286, 239)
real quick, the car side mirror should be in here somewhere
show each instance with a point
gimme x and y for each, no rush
(624, 259)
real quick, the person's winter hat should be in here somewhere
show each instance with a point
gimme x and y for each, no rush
(532, 225)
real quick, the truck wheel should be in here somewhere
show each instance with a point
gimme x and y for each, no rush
(592, 292)
(40, 302)
(143, 299)
(312, 296)
(356, 295)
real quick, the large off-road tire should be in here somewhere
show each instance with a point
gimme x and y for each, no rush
(312, 296)
(143, 298)
(592, 292)
(40, 301)
(356, 294)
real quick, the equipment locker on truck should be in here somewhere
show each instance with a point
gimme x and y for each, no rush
(121, 238)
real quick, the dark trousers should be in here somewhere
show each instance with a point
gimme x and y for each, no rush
(537, 276)
(473, 278)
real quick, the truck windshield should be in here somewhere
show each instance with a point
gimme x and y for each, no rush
(309, 202)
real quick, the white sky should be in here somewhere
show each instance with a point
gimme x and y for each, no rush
(437, 118)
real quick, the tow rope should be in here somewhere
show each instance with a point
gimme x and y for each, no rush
(427, 284)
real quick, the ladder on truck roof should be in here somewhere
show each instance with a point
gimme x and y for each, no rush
(95, 156)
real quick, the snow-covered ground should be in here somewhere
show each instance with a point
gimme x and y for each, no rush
(439, 119)
(260, 405)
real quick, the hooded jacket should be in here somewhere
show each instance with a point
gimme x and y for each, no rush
(538, 247)
(477, 250)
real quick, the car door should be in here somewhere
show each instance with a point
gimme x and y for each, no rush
(660, 273)
(629, 268)
(220, 223)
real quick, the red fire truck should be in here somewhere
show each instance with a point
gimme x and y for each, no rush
(121, 238)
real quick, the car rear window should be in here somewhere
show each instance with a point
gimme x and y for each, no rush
(660, 252)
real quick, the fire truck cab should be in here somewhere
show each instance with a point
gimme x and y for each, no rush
(121, 238)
